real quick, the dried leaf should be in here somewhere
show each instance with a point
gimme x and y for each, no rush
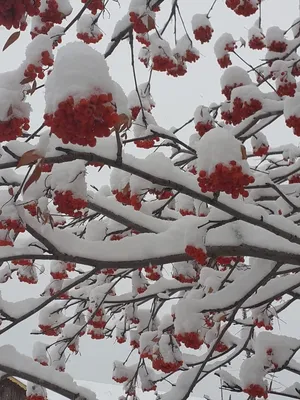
(29, 157)
(25, 80)
(151, 23)
(244, 152)
(33, 88)
(34, 177)
(15, 36)
(124, 123)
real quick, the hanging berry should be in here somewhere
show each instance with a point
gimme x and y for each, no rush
(87, 29)
(233, 77)
(223, 46)
(13, 12)
(54, 11)
(243, 7)
(259, 144)
(166, 356)
(202, 28)
(275, 40)
(203, 120)
(221, 164)
(256, 38)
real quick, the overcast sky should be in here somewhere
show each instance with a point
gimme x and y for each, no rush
(176, 100)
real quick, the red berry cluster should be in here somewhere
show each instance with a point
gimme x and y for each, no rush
(203, 127)
(31, 208)
(221, 347)
(138, 23)
(203, 33)
(256, 43)
(186, 212)
(178, 70)
(224, 61)
(96, 334)
(244, 109)
(191, 340)
(66, 203)
(262, 324)
(121, 339)
(12, 12)
(160, 364)
(261, 150)
(229, 179)
(59, 275)
(81, 123)
(143, 38)
(47, 168)
(229, 88)
(245, 7)
(135, 201)
(190, 56)
(32, 71)
(256, 391)
(89, 38)
(94, 5)
(32, 280)
(185, 278)
(23, 262)
(286, 88)
(4, 243)
(151, 273)
(35, 397)
(12, 224)
(294, 179)
(222, 260)
(162, 63)
(41, 30)
(73, 347)
(51, 13)
(70, 266)
(294, 122)
(197, 254)
(13, 128)
(122, 196)
(277, 46)
(120, 379)
(146, 143)
(48, 330)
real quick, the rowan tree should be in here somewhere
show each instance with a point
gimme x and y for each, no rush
(203, 228)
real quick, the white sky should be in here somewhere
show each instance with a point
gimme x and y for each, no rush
(176, 100)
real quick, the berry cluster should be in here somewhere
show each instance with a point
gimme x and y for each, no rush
(146, 143)
(160, 364)
(222, 260)
(244, 109)
(261, 151)
(26, 276)
(120, 379)
(13, 12)
(13, 128)
(152, 273)
(191, 56)
(89, 37)
(229, 88)
(121, 339)
(203, 127)
(12, 224)
(48, 330)
(256, 391)
(184, 212)
(225, 178)
(36, 397)
(162, 63)
(197, 254)
(66, 203)
(81, 123)
(59, 275)
(31, 208)
(94, 5)
(52, 13)
(141, 24)
(41, 30)
(203, 33)
(96, 334)
(277, 46)
(260, 323)
(294, 122)
(224, 61)
(135, 201)
(245, 7)
(23, 262)
(286, 88)
(179, 69)
(256, 42)
(32, 71)
(191, 340)
(143, 38)
(294, 179)
(123, 196)
(6, 242)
